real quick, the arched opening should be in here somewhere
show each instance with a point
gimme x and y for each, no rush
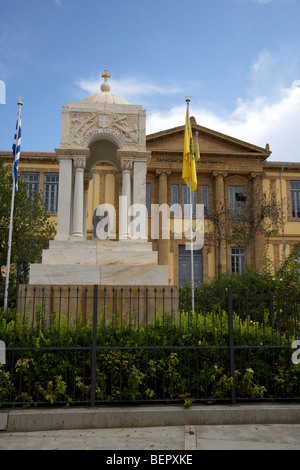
(103, 183)
(103, 149)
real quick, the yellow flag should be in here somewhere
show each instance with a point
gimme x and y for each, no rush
(189, 170)
(193, 173)
(191, 141)
(197, 153)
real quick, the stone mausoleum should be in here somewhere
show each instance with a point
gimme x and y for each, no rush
(102, 128)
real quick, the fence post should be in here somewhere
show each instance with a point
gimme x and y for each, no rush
(231, 345)
(94, 347)
(271, 305)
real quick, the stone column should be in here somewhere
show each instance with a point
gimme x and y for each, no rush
(220, 206)
(64, 198)
(163, 244)
(85, 204)
(139, 177)
(79, 166)
(139, 190)
(219, 187)
(126, 167)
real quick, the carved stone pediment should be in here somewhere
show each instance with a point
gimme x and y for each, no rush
(86, 124)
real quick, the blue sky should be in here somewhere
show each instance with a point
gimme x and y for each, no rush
(238, 59)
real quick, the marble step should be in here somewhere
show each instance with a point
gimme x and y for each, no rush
(64, 274)
(105, 245)
(95, 256)
(124, 245)
(138, 258)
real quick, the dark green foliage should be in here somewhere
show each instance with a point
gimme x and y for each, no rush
(32, 230)
(182, 358)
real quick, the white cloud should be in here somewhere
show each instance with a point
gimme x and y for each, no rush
(130, 87)
(273, 71)
(256, 121)
(270, 112)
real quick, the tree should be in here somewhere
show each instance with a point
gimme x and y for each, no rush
(32, 229)
(290, 269)
(218, 235)
(256, 213)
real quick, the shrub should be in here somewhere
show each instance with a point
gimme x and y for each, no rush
(182, 358)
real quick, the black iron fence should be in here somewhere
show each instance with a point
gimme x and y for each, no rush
(96, 345)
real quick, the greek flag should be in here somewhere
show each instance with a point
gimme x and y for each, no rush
(16, 148)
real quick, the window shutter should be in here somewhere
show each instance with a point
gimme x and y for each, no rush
(175, 198)
(51, 191)
(174, 194)
(295, 196)
(205, 198)
(185, 194)
(195, 201)
(232, 200)
(32, 180)
(185, 199)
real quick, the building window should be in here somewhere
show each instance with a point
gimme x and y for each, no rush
(237, 260)
(175, 212)
(32, 180)
(148, 198)
(51, 191)
(205, 198)
(186, 200)
(237, 199)
(184, 265)
(295, 195)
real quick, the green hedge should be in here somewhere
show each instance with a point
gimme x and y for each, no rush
(184, 358)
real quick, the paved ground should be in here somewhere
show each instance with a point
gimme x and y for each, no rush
(154, 429)
(184, 439)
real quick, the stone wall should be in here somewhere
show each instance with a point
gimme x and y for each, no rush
(137, 305)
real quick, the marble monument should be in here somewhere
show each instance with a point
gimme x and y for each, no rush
(103, 127)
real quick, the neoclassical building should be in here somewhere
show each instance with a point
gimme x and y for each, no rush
(106, 164)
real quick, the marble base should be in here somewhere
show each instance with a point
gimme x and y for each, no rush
(127, 275)
(126, 262)
(64, 274)
(102, 253)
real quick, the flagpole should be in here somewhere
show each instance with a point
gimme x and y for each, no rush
(11, 212)
(191, 210)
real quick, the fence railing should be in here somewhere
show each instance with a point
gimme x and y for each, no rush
(97, 345)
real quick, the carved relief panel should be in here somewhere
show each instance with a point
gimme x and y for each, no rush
(84, 125)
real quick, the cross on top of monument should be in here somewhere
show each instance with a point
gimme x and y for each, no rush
(105, 87)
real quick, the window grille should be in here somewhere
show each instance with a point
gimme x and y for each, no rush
(51, 191)
(32, 180)
(295, 196)
(237, 260)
